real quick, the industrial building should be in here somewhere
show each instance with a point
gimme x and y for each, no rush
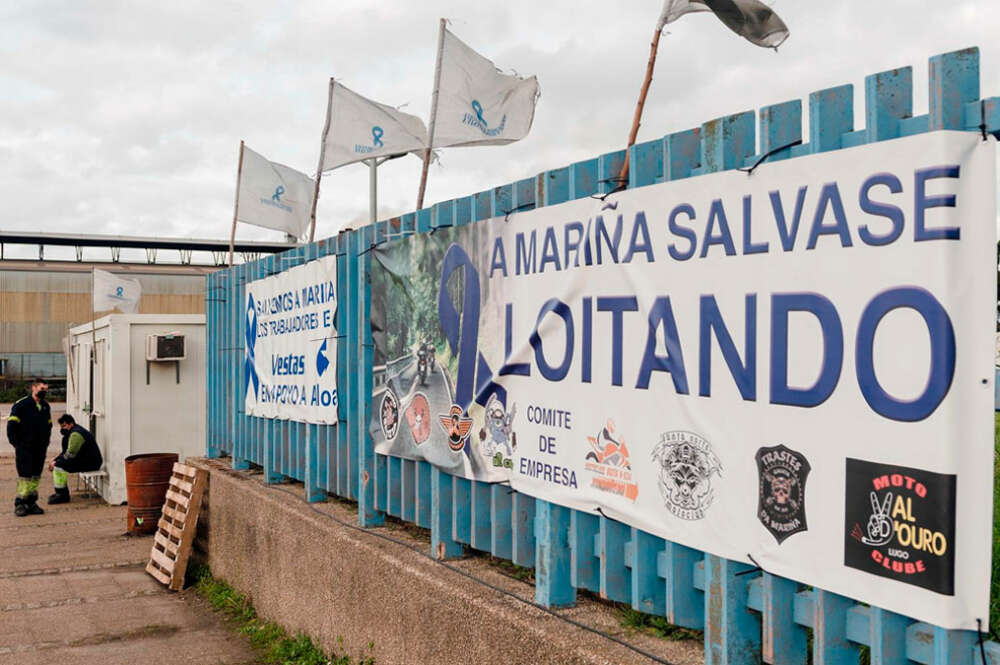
(42, 298)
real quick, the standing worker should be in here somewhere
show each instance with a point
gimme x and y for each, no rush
(80, 453)
(28, 430)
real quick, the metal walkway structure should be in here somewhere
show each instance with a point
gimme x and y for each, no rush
(248, 250)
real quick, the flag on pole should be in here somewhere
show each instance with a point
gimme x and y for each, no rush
(361, 128)
(111, 291)
(477, 105)
(750, 19)
(273, 195)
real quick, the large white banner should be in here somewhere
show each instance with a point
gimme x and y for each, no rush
(792, 365)
(290, 359)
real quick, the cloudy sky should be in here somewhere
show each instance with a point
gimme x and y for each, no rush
(125, 117)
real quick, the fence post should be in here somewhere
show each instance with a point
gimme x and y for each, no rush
(953, 81)
(553, 587)
(368, 515)
(732, 631)
(239, 461)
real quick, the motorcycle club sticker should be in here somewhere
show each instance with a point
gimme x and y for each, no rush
(389, 414)
(687, 463)
(781, 505)
(900, 524)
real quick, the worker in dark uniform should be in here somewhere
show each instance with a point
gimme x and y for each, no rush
(29, 427)
(80, 453)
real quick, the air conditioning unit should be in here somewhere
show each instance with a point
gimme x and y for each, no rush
(168, 346)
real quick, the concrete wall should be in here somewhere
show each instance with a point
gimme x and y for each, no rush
(315, 576)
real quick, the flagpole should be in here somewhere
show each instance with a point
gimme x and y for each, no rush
(93, 350)
(319, 167)
(236, 206)
(372, 190)
(433, 119)
(653, 46)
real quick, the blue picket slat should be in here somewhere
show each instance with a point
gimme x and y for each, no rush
(553, 587)
(732, 630)
(830, 643)
(649, 592)
(682, 154)
(501, 518)
(783, 641)
(616, 575)
(953, 81)
(888, 100)
(585, 563)
(685, 602)
(831, 115)
(780, 125)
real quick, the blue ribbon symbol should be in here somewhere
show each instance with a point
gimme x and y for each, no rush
(377, 136)
(462, 331)
(478, 108)
(322, 362)
(119, 292)
(278, 191)
(249, 362)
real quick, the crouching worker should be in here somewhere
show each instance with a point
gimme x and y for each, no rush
(28, 429)
(80, 453)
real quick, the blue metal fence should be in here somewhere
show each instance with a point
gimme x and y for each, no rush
(747, 615)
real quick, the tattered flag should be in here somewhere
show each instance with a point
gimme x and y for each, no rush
(750, 19)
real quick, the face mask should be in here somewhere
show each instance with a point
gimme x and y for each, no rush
(41, 394)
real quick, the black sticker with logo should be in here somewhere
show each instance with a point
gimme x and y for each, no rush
(781, 505)
(900, 524)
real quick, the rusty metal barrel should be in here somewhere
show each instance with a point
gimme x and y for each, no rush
(147, 478)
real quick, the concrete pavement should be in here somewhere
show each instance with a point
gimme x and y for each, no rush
(73, 590)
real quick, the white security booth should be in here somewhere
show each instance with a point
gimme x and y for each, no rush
(146, 389)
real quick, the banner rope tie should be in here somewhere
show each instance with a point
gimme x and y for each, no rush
(763, 158)
(523, 206)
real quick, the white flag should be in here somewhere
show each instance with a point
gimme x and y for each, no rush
(111, 291)
(477, 105)
(750, 19)
(273, 195)
(360, 128)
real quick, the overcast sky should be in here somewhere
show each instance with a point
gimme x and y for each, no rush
(125, 117)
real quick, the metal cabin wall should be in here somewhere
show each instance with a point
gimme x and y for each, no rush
(747, 615)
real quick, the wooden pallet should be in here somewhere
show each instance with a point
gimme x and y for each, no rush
(176, 529)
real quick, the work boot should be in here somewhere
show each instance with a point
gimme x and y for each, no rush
(20, 509)
(61, 496)
(31, 503)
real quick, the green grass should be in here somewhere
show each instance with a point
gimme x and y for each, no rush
(995, 588)
(271, 641)
(655, 625)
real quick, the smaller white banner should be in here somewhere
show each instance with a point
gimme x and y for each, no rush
(477, 105)
(111, 291)
(361, 128)
(273, 195)
(290, 360)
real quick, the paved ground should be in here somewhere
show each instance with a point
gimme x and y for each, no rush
(73, 590)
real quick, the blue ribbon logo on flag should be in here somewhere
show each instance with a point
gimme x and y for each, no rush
(377, 133)
(478, 108)
(119, 292)
(249, 362)
(278, 191)
(479, 122)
